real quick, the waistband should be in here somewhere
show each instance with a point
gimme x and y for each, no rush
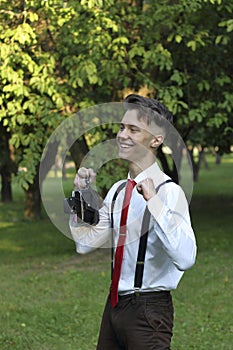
(163, 294)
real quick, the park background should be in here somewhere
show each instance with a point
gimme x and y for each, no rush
(61, 57)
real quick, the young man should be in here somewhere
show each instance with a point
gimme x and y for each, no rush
(152, 236)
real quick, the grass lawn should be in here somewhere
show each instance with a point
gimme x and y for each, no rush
(52, 299)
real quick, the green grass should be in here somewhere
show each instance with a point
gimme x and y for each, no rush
(203, 300)
(52, 298)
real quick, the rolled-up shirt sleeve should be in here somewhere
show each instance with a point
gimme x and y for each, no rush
(87, 237)
(170, 214)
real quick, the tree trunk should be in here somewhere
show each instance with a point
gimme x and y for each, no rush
(32, 208)
(7, 165)
(202, 159)
(48, 161)
(78, 150)
(6, 191)
(173, 173)
(195, 166)
(218, 158)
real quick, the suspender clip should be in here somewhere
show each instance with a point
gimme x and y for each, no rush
(136, 292)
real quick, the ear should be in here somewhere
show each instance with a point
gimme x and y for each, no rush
(157, 141)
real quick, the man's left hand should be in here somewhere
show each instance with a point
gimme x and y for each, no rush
(146, 188)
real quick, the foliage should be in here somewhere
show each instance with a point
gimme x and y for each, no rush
(198, 86)
(30, 98)
(58, 57)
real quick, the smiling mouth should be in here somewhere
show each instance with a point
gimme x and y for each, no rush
(124, 146)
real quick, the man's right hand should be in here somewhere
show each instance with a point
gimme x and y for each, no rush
(84, 177)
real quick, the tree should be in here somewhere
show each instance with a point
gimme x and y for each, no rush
(188, 62)
(31, 101)
(7, 165)
(60, 57)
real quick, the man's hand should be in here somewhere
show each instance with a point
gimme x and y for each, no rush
(84, 177)
(146, 188)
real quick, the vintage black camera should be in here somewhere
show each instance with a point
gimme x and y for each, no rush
(80, 204)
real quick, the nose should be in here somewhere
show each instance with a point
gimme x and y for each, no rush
(122, 134)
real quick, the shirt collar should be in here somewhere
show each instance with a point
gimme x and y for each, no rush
(154, 172)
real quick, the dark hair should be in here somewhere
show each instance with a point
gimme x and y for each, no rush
(148, 109)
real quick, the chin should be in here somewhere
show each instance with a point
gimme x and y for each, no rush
(123, 155)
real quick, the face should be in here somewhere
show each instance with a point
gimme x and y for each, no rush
(134, 138)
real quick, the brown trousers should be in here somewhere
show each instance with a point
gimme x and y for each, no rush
(141, 322)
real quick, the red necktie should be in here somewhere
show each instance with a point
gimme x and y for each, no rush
(120, 244)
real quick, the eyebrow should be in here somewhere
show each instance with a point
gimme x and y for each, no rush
(130, 125)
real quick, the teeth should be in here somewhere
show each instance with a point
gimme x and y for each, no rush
(125, 146)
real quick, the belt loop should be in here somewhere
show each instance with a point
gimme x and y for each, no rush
(136, 292)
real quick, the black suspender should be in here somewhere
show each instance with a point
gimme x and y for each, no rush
(142, 249)
(143, 238)
(143, 244)
(163, 183)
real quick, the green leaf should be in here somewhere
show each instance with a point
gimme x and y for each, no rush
(178, 38)
(192, 44)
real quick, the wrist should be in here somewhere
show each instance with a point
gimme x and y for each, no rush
(77, 189)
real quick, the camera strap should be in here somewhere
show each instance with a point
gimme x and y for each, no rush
(81, 205)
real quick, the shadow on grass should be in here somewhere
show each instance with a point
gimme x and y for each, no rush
(26, 239)
(212, 218)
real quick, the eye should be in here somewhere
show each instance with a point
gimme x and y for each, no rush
(121, 128)
(134, 129)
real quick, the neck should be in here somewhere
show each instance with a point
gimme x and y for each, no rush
(136, 168)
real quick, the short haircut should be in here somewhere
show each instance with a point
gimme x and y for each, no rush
(149, 109)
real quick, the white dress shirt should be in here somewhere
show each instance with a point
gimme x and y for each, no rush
(171, 246)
